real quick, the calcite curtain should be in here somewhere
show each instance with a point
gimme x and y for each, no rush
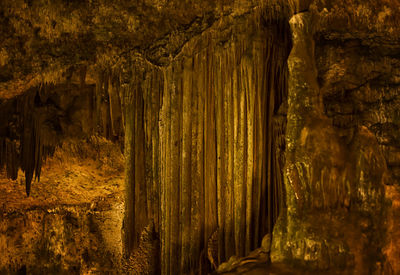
(204, 138)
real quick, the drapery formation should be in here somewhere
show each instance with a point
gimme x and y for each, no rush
(203, 141)
(141, 101)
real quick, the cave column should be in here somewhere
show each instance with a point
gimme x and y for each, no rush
(327, 188)
(304, 107)
(129, 172)
(136, 210)
(304, 102)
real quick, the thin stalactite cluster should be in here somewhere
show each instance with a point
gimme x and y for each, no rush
(36, 122)
(25, 141)
(108, 105)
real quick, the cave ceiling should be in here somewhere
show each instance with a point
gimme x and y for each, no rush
(43, 41)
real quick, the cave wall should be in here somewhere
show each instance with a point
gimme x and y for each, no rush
(358, 64)
(148, 81)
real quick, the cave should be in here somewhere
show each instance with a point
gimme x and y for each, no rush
(199, 137)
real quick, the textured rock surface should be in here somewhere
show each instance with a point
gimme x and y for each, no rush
(42, 40)
(146, 257)
(149, 75)
(62, 239)
(357, 57)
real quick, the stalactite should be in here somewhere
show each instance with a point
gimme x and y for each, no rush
(9, 157)
(185, 196)
(115, 106)
(141, 87)
(197, 170)
(108, 104)
(34, 124)
(26, 143)
(129, 218)
(36, 141)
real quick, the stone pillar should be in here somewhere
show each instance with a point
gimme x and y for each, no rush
(327, 192)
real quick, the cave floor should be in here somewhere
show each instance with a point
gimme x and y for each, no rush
(279, 269)
(68, 178)
(73, 184)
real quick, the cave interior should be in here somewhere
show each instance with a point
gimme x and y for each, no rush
(200, 137)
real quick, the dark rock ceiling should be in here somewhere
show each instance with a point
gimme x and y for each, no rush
(42, 39)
